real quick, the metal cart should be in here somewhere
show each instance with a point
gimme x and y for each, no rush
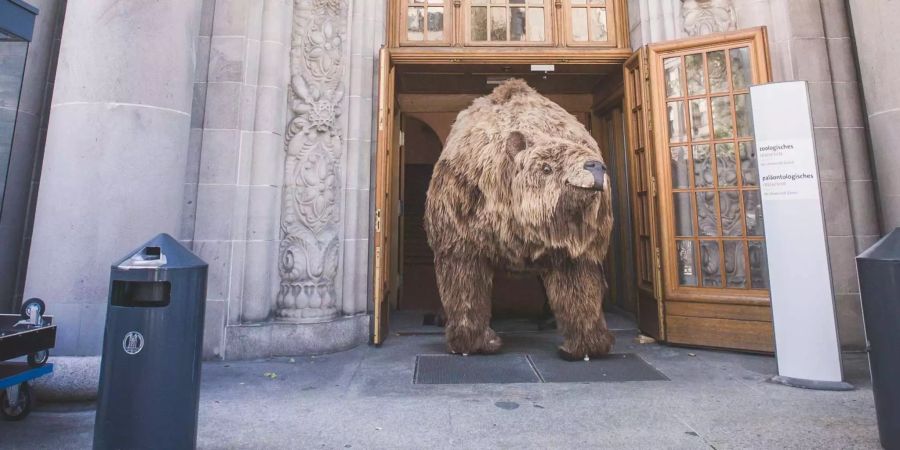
(29, 334)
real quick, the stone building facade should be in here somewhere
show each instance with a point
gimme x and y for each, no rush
(248, 129)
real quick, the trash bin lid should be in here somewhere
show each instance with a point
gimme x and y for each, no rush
(162, 252)
(887, 249)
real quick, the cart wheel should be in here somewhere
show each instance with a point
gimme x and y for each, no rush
(38, 359)
(32, 303)
(18, 408)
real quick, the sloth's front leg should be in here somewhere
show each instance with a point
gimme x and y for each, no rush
(575, 291)
(465, 286)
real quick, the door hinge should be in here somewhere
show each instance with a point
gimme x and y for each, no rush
(658, 287)
(653, 191)
(378, 220)
(645, 65)
(379, 294)
(402, 138)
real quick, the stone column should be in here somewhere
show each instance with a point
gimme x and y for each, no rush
(652, 21)
(311, 209)
(115, 155)
(875, 25)
(810, 41)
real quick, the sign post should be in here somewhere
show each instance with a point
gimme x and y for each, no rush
(806, 340)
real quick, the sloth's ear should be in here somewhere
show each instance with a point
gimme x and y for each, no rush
(515, 143)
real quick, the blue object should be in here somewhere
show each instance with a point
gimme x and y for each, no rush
(12, 374)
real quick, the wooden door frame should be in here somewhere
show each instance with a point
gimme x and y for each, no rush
(390, 60)
(640, 129)
(664, 273)
(381, 204)
(610, 113)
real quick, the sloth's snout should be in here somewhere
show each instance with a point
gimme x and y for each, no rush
(590, 176)
(598, 171)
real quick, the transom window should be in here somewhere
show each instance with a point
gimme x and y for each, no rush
(425, 21)
(717, 214)
(588, 21)
(508, 20)
(479, 23)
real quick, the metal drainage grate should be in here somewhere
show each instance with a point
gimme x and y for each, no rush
(474, 369)
(521, 368)
(611, 368)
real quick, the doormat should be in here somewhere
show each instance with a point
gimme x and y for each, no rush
(524, 368)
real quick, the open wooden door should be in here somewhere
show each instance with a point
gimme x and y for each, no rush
(645, 219)
(715, 274)
(698, 218)
(700, 251)
(384, 185)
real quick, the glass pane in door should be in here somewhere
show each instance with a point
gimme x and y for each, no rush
(687, 274)
(713, 177)
(711, 267)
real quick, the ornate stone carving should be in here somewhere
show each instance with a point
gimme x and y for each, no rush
(708, 16)
(310, 241)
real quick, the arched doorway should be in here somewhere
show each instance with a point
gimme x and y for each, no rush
(514, 297)
(421, 150)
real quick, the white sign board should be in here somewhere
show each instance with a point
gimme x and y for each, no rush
(806, 340)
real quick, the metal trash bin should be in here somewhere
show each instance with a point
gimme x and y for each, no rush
(150, 372)
(879, 284)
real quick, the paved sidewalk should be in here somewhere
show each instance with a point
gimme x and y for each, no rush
(364, 398)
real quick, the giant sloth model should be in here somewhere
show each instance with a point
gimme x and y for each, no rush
(520, 186)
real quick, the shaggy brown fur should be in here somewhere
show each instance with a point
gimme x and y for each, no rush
(511, 191)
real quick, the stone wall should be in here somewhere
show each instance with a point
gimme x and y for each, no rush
(233, 184)
(875, 25)
(17, 215)
(811, 41)
(277, 200)
(115, 153)
(244, 127)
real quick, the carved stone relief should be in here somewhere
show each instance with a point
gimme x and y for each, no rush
(310, 241)
(708, 16)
